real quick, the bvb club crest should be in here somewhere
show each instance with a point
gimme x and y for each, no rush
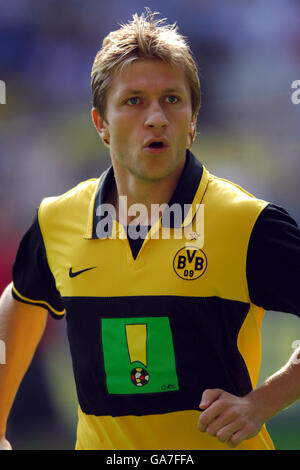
(190, 263)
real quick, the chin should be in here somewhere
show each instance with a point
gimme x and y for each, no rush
(153, 174)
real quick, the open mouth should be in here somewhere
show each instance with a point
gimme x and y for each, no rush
(156, 145)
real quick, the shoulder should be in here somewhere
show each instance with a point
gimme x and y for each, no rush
(77, 199)
(78, 193)
(274, 214)
(229, 189)
(275, 225)
(231, 200)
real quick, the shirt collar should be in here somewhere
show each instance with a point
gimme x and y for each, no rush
(188, 193)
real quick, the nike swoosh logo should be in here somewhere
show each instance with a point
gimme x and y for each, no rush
(76, 273)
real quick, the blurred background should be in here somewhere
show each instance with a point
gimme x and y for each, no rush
(248, 131)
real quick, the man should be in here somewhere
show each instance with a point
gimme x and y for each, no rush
(163, 313)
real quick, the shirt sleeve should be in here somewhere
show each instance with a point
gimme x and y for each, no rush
(33, 281)
(273, 261)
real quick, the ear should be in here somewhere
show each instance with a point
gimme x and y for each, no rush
(101, 126)
(192, 132)
(193, 125)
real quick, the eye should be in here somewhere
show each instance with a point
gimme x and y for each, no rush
(133, 101)
(172, 99)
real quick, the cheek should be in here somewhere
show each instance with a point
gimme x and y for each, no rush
(183, 129)
(122, 130)
(182, 121)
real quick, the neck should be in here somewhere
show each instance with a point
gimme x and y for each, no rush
(130, 190)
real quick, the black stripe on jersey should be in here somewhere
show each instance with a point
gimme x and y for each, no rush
(204, 330)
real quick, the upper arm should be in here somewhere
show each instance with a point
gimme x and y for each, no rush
(18, 315)
(21, 329)
(9, 302)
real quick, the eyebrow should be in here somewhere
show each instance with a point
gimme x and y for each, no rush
(128, 91)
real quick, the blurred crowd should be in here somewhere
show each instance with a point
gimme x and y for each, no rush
(248, 55)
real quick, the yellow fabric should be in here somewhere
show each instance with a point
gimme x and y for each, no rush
(172, 431)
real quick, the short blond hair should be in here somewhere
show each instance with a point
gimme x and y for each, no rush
(142, 38)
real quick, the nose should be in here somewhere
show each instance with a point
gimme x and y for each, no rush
(156, 117)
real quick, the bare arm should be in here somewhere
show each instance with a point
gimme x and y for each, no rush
(234, 419)
(21, 328)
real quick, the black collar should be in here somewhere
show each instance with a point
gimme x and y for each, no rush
(184, 193)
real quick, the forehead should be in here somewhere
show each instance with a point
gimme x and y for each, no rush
(149, 75)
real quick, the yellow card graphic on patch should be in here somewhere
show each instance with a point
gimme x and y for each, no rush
(138, 355)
